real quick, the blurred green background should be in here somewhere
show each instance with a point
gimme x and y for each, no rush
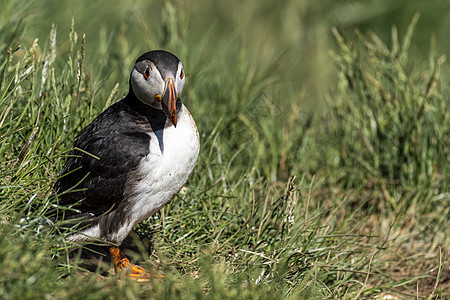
(293, 37)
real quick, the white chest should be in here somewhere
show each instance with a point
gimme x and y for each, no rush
(162, 173)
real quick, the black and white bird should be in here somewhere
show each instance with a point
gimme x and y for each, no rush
(132, 159)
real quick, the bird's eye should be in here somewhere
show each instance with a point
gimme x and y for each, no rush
(181, 74)
(147, 73)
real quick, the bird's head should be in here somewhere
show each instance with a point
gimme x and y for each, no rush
(157, 80)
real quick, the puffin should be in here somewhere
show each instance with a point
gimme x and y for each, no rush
(131, 160)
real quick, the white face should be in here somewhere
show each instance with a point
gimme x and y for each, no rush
(149, 84)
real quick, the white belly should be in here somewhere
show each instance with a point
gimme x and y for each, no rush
(162, 173)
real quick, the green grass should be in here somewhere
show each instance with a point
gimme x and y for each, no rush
(320, 176)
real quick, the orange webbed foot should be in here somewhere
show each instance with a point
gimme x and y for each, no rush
(122, 264)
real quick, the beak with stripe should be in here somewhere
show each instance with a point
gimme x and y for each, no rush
(169, 101)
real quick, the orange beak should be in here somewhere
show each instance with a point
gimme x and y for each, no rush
(169, 102)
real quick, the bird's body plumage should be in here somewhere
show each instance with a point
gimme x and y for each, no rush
(128, 162)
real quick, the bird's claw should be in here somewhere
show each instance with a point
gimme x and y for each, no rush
(122, 264)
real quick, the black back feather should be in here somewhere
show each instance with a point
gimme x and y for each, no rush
(92, 180)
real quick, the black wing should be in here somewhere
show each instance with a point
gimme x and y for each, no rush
(105, 152)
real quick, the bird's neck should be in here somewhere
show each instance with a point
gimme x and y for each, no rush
(155, 116)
